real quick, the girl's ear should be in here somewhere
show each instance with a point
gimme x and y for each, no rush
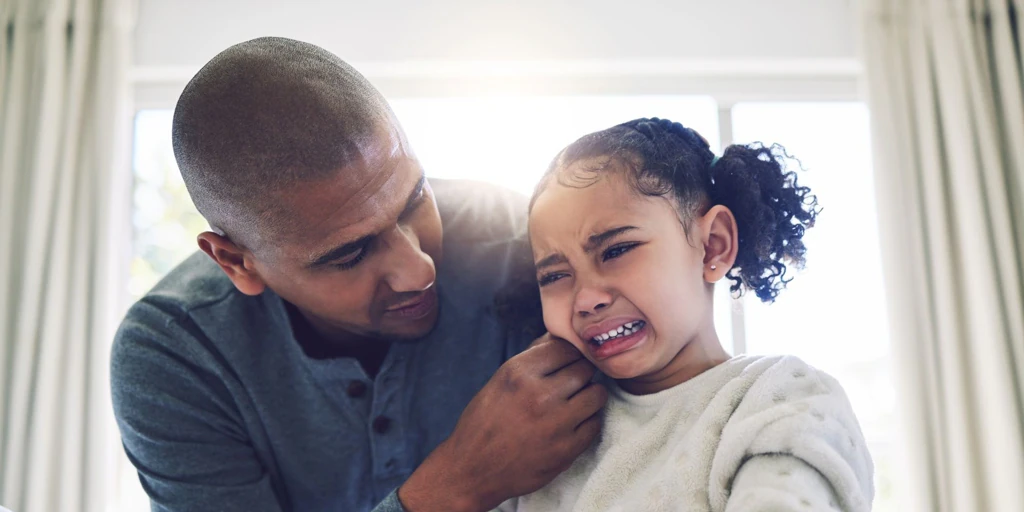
(720, 238)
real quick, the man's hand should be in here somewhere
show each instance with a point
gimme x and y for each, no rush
(528, 424)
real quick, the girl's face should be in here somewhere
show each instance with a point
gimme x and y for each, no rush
(619, 278)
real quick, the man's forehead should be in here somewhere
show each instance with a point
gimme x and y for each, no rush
(351, 202)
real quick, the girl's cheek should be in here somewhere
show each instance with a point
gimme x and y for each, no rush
(558, 321)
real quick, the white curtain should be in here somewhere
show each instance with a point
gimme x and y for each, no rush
(63, 125)
(947, 101)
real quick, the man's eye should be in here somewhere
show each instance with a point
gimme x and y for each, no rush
(618, 250)
(547, 279)
(351, 261)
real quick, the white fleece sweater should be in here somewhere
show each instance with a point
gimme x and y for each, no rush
(752, 434)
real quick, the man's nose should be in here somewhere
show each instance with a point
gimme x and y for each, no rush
(409, 269)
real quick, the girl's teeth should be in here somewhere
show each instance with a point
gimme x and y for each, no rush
(624, 330)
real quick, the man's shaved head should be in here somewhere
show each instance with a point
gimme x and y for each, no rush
(263, 116)
(312, 190)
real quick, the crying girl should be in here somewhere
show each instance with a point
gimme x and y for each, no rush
(631, 228)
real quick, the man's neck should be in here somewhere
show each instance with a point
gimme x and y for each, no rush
(369, 352)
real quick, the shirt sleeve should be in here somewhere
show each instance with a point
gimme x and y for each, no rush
(778, 483)
(508, 506)
(179, 425)
(390, 504)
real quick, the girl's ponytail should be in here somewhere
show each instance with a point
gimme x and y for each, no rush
(772, 212)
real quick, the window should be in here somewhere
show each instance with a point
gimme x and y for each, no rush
(164, 220)
(833, 315)
(511, 141)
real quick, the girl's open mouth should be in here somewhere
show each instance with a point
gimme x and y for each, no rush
(619, 340)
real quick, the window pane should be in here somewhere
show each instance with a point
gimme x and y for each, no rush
(511, 140)
(833, 315)
(164, 220)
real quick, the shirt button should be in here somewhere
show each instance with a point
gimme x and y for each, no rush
(381, 424)
(356, 389)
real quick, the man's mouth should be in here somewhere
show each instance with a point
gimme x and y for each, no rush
(417, 307)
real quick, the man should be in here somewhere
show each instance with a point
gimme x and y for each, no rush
(330, 348)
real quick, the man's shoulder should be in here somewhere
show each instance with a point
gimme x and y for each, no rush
(194, 283)
(162, 316)
(194, 321)
(486, 253)
(475, 211)
(485, 241)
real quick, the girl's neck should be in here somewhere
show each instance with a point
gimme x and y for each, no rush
(700, 354)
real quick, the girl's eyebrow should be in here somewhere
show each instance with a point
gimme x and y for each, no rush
(550, 261)
(597, 240)
(593, 242)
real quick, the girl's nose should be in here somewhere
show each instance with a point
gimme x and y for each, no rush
(591, 300)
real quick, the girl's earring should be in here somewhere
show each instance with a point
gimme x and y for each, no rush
(713, 267)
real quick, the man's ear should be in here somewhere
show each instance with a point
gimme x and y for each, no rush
(233, 260)
(721, 238)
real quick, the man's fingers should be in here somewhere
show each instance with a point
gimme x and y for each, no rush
(569, 380)
(588, 402)
(586, 432)
(549, 357)
(546, 338)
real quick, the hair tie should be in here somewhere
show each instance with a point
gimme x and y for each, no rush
(714, 160)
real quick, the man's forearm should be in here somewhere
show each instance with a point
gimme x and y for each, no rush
(435, 486)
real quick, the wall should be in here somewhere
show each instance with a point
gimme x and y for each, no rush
(443, 47)
(189, 32)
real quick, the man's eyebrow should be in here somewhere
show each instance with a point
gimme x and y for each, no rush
(551, 260)
(597, 240)
(341, 251)
(354, 246)
(412, 201)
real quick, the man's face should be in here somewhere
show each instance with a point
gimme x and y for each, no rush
(362, 259)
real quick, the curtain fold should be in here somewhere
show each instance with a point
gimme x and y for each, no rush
(947, 100)
(64, 122)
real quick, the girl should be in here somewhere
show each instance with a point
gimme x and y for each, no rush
(630, 228)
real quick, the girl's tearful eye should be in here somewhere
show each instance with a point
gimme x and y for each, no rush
(547, 279)
(618, 250)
